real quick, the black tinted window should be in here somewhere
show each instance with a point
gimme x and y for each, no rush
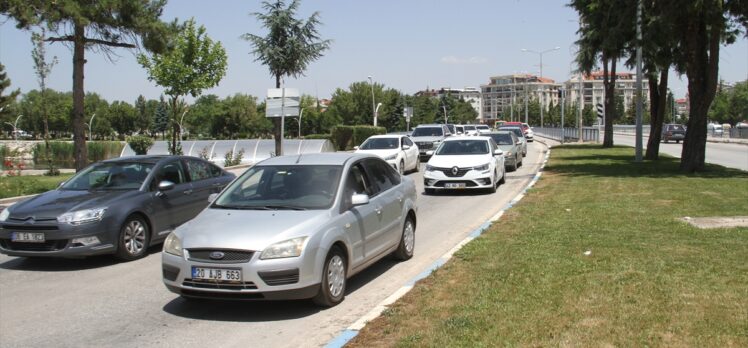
(172, 171)
(383, 174)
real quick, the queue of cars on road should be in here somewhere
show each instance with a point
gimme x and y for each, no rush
(289, 227)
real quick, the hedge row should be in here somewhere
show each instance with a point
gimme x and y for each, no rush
(346, 137)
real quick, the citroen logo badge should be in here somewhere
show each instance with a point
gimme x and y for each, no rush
(455, 170)
(216, 255)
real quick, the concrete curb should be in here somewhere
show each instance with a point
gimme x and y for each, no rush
(352, 331)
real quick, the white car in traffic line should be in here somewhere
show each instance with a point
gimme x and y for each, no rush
(397, 150)
(465, 163)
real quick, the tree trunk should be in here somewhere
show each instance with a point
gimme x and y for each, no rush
(702, 67)
(609, 84)
(277, 124)
(658, 99)
(174, 126)
(80, 151)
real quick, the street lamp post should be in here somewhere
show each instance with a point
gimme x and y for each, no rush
(301, 112)
(445, 113)
(15, 127)
(376, 113)
(541, 75)
(90, 126)
(181, 128)
(373, 104)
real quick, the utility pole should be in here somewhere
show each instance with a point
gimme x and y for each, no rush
(639, 101)
(562, 92)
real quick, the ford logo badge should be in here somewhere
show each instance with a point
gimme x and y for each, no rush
(216, 255)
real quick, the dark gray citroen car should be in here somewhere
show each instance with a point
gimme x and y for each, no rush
(118, 206)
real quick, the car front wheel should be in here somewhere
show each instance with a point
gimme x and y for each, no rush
(407, 241)
(332, 288)
(133, 239)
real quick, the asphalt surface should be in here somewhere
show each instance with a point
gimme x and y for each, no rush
(102, 302)
(724, 154)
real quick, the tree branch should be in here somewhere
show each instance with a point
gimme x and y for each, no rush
(109, 43)
(59, 39)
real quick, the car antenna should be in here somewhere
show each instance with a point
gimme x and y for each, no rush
(298, 159)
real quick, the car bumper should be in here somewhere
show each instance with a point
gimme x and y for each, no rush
(437, 180)
(59, 239)
(277, 279)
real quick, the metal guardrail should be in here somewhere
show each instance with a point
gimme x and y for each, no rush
(568, 134)
(732, 133)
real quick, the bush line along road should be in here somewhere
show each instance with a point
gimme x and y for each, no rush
(129, 306)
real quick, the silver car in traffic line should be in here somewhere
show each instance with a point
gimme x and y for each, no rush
(294, 227)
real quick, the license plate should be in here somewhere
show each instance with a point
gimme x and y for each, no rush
(27, 237)
(216, 274)
(454, 185)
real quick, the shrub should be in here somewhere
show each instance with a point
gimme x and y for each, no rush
(361, 133)
(62, 151)
(140, 144)
(231, 159)
(318, 136)
(341, 137)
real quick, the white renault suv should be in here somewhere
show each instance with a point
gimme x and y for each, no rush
(459, 163)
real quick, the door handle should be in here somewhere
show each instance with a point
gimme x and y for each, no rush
(379, 210)
(187, 192)
(400, 199)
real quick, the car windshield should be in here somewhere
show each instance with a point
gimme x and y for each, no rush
(428, 132)
(502, 139)
(482, 126)
(290, 187)
(451, 128)
(469, 128)
(516, 130)
(110, 176)
(463, 147)
(379, 144)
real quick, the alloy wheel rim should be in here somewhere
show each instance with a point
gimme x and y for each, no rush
(134, 237)
(336, 276)
(409, 237)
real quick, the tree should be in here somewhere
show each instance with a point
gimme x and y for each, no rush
(289, 47)
(194, 63)
(701, 27)
(606, 29)
(6, 100)
(160, 117)
(42, 68)
(144, 115)
(123, 118)
(730, 105)
(97, 25)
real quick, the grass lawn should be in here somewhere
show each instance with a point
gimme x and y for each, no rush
(12, 186)
(650, 280)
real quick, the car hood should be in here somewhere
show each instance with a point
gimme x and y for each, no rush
(462, 161)
(248, 229)
(381, 153)
(431, 139)
(51, 204)
(506, 148)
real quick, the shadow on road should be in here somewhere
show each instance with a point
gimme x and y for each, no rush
(256, 311)
(57, 264)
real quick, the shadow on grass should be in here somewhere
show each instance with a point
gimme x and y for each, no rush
(593, 160)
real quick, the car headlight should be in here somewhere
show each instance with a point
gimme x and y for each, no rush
(4, 215)
(173, 245)
(82, 216)
(483, 167)
(286, 248)
(508, 154)
(390, 157)
(429, 168)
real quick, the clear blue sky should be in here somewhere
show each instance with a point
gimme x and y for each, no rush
(406, 45)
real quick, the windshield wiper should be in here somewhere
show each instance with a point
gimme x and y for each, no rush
(258, 207)
(283, 207)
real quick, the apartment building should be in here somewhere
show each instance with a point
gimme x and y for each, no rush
(594, 93)
(504, 96)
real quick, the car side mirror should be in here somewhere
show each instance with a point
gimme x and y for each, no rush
(60, 184)
(355, 147)
(406, 147)
(165, 185)
(498, 152)
(359, 199)
(212, 197)
(429, 152)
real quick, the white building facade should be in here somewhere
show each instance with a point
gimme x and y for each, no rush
(593, 90)
(504, 96)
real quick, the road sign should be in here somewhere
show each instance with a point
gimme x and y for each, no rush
(600, 110)
(282, 102)
(408, 113)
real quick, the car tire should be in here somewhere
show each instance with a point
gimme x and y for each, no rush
(503, 178)
(418, 164)
(334, 273)
(520, 161)
(514, 166)
(401, 167)
(407, 241)
(133, 240)
(494, 183)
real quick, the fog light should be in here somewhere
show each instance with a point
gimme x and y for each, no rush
(85, 241)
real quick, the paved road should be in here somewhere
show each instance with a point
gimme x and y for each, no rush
(724, 154)
(101, 302)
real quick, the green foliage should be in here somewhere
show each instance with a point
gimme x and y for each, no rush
(160, 117)
(62, 152)
(730, 104)
(140, 144)
(6, 100)
(14, 186)
(318, 136)
(342, 136)
(231, 159)
(361, 133)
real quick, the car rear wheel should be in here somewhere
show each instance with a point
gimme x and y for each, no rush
(133, 240)
(407, 241)
(332, 288)
(503, 178)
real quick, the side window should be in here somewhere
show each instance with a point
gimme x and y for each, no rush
(407, 141)
(383, 174)
(198, 170)
(214, 170)
(172, 171)
(357, 182)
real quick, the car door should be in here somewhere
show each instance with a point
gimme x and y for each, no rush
(411, 154)
(174, 203)
(204, 183)
(389, 201)
(361, 222)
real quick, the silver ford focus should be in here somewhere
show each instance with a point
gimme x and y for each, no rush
(294, 227)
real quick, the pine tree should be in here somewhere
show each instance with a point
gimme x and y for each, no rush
(160, 118)
(6, 100)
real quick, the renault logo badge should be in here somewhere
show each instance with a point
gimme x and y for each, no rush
(216, 255)
(455, 170)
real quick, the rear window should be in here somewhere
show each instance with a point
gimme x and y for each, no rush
(676, 127)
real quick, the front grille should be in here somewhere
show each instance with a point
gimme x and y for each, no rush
(30, 227)
(230, 256)
(424, 145)
(49, 245)
(203, 284)
(448, 171)
(283, 277)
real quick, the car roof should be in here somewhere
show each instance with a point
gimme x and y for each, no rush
(430, 125)
(144, 158)
(498, 132)
(468, 137)
(325, 158)
(387, 136)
